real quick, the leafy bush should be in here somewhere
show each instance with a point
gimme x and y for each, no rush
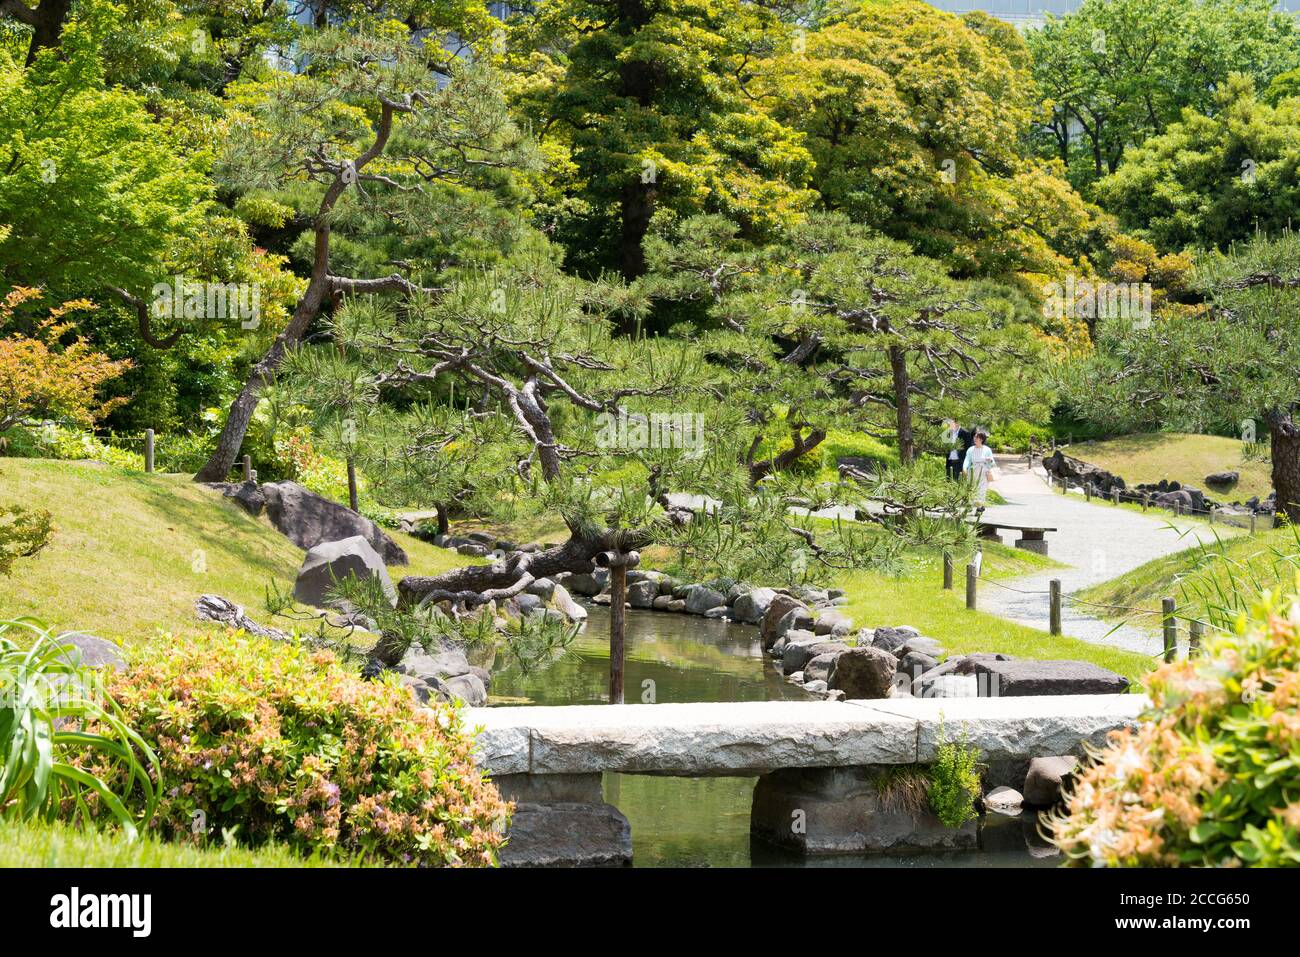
(954, 781)
(54, 721)
(23, 533)
(1015, 436)
(53, 441)
(1211, 776)
(840, 443)
(278, 743)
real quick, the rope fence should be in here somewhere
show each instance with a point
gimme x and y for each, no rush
(1056, 600)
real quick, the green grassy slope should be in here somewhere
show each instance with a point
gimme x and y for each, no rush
(131, 552)
(1181, 457)
(1243, 564)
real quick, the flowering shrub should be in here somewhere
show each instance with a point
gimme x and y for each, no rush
(1212, 774)
(275, 742)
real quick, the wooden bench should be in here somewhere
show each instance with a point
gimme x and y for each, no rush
(1032, 537)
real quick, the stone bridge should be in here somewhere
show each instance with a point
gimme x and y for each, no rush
(818, 762)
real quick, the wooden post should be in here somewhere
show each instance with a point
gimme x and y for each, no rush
(1114, 494)
(970, 586)
(1146, 500)
(1252, 523)
(1211, 510)
(1195, 630)
(1178, 509)
(947, 572)
(1087, 491)
(148, 450)
(248, 468)
(618, 563)
(1055, 613)
(1171, 629)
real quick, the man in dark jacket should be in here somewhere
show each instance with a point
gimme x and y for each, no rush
(959, 440)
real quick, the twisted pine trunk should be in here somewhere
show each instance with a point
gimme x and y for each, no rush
(1284, 440)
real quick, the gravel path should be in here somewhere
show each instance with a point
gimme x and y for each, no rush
(1098, 542)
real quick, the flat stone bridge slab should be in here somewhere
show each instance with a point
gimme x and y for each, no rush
(758, 737)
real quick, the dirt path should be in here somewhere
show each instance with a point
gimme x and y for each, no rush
(1097, 542)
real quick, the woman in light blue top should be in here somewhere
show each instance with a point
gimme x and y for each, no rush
(979, 465)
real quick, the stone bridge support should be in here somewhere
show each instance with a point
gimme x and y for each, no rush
(833, 776)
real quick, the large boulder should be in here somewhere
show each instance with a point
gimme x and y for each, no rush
(1022, 677)
(780, 606)
(833, 623)
(1046, 778)
(819, 668)
(91, 651)
(588, 585)
(468, 688)
(798, 653)
(331, 562)
(1222, 481)
(1077, 472)
(863, 673)
(439, 665)
(893, 639)
(701, 598)
(753, 605)
(307, 520)
(563, 602)
(246, 494)
(642, 594)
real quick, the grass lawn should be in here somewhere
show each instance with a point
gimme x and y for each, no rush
(1177, 456)
(61, 845)
(918, 599)
(1243, 564)
(131, 552)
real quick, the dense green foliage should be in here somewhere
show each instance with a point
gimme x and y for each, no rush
(1115, 72)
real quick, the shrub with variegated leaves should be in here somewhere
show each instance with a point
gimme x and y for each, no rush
(1211, 775)
(275, 742)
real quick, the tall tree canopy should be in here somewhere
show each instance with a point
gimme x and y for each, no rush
(916, 119)
(649, 100)
(1209, 181)
(1115, 72)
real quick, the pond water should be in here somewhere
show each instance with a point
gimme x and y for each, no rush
(704, 822)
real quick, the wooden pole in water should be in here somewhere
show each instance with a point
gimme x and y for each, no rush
(148, 450)
(248, 468)
(1195, 630)
(971, 578)
(1252, 523)
(618, 563)
(947, 572)
(1054, 617)
(1171, 629)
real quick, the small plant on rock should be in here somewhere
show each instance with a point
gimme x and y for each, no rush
(954, 780)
